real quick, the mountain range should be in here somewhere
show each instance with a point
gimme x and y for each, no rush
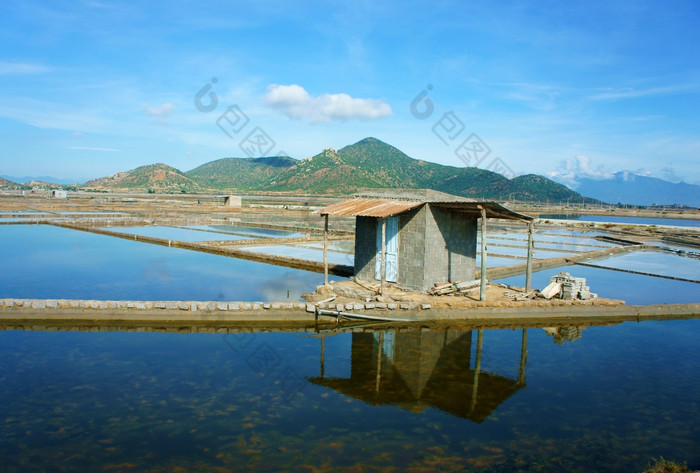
(629, 188)
(369, 163)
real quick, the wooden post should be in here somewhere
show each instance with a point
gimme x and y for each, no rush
(323, 356)
(383, 263)
(379, 360)
(477, 367)
(530, 250)
(482, 289)
(523, 357)
(325, 250)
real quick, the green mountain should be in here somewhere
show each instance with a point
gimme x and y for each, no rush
(371, 163)
(152, 178)
(240, 173)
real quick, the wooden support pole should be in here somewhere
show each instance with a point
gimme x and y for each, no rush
(530, 250)
(482, 289)
(523, 357)
(477, 368)
(383, 263)
(379, 361)
(325, 250)
(323, 356)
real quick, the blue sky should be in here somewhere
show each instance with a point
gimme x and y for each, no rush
(90, 88)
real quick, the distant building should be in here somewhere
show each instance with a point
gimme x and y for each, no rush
(233, 201)
(430, 237)
(59, 194)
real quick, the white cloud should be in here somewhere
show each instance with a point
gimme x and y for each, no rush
(569, 171)
(295, 102)
(22, 68)
(162, 110)
(629, 93)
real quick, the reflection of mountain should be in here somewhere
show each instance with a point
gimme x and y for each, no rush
(418, 369)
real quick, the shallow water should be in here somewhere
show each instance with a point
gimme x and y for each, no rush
(254, 232)
(176, 233)
(315, 254)
(632, 220)
(590, 399)
(43, 261)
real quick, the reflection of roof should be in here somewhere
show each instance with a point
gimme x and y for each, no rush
(453, 396)
(426, 369)
(384, 206)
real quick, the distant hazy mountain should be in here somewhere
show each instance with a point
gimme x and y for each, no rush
(628, 188)
(6, 183)
(48, 179)
(154, 177)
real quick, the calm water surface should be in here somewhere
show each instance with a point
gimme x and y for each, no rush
(42, 261)
(585, 399)
(637, 220)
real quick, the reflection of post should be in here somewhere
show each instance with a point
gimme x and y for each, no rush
(379, 360)
(323, 356)
(325, 250)
(477, 367)
(482, 290)
(523, 357)
(383, 264)
(528, 268)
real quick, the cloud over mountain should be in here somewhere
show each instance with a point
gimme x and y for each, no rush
(295, 102)
(571, 170)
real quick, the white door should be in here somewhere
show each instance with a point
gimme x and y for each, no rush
(392, 249)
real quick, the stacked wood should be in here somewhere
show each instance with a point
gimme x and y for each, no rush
(454, 288)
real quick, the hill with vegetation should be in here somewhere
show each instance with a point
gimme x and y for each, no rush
(367, 164)
(371, 163)
(10, 184)
(240, 173)
(151, 178)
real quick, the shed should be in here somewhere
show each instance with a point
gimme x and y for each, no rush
(416, 238)
(59, 194)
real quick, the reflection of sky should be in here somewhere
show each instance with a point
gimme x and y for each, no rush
(250, 231)
(314, 254)
(495, 261)
(58, 263)
(655, 262)
(629, 220)
(181, 234)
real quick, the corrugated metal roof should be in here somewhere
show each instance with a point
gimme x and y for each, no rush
(371, 207)
(493, 209)
(364, 207)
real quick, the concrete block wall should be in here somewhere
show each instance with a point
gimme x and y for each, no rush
(435, 245)
(450, 241)
(412, 248)
(365, 247)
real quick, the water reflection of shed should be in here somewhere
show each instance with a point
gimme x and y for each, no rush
(418, 237)
(418, 369)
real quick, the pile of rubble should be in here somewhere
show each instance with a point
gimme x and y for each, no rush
(565, 286)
